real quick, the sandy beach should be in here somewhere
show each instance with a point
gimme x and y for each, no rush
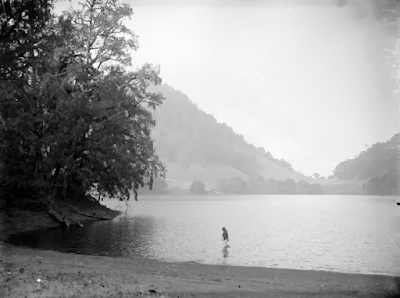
(26, 272)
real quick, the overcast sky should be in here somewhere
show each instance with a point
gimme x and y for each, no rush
(309, 83)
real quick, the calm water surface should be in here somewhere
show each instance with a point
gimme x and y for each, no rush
(338, 233)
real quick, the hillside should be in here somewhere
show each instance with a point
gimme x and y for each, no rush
(376, 169)
(195, 146)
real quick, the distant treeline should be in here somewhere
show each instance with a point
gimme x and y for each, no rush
(378, 166)
(387, 184)
(237, 185)
(259, 185)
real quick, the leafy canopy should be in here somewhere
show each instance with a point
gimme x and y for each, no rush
(73, 120)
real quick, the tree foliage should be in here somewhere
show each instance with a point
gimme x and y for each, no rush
(258, 185)
(379, 165)
(197, 187)
(103, 37)
(22, 28)
(73, 120)
(159, 187)
(379, 159)
(387, 184)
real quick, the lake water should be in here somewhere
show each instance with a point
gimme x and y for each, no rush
(357, 234)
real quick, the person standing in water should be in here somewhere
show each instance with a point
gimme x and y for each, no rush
(225, 237)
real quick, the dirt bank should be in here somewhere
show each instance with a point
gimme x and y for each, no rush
(30, 215)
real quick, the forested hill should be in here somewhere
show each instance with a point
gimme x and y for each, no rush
(195, 146)
(378, 167)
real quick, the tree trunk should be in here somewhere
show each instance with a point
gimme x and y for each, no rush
(58, 216)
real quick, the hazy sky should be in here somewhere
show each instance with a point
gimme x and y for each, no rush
(309, 83)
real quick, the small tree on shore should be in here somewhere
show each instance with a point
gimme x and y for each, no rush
(198, 187)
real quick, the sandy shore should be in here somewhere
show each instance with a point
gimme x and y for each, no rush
(28, 272)
(72, 275)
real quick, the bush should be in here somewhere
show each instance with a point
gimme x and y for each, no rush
(198, 187)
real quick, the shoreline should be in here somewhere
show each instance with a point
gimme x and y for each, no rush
(76, 275)
(66, 275)
(5, 244)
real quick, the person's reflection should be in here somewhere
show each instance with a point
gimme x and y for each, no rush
(225, 253)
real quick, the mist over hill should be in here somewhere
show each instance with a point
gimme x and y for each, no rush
(195, 146)
(377, 168)
(203, 155)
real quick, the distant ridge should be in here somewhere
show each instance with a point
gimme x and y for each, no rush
(195, 146)
(376, 169)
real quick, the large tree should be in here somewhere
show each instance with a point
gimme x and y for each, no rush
(76, 121)
(22, 28)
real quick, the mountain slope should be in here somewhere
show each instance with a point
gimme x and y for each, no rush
(377, 168)
(195, 146)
